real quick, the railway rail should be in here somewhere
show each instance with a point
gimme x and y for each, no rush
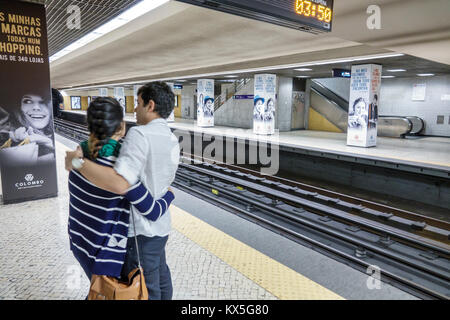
(408, 250)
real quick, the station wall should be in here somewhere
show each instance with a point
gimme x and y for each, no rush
(129, 99)
(396, 100)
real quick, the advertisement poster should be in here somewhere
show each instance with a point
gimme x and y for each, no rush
(27, 144)
(103, 92)
(75, 103)
(171, 118)
(264, 104)
(119, 95)
(205, 103)
(363, 105)
(135, 91)
(419, 92)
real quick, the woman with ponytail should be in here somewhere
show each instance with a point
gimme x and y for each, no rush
(99, 219)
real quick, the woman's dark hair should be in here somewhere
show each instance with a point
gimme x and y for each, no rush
(161, 94)
(104, 117)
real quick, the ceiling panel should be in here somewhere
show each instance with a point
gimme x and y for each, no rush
(94, 13)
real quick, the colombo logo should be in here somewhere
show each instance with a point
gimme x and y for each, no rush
(29, 182)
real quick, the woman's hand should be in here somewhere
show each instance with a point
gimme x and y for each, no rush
(19, 134)
(41, 140)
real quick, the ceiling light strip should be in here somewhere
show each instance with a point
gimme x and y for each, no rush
(129, 15)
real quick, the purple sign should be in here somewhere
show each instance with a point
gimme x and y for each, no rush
(242, 97)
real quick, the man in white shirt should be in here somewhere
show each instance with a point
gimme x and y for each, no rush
(150, 154)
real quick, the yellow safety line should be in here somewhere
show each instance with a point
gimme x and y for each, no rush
(278, 279)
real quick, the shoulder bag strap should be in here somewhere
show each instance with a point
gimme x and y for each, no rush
(135, 237)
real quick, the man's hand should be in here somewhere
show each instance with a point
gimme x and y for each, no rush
(72, 154)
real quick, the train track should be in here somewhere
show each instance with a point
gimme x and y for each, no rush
(410, 251)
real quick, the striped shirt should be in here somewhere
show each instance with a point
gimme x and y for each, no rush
(99, 219)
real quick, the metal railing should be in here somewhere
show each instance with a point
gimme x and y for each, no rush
(229, 93)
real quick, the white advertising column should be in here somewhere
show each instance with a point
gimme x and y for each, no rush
(171, 118)
(103, 92)
(205, 99)
(265, 102)
(135, 92)
(363, 105)
(119, 94)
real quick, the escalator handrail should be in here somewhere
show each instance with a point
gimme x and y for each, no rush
(410, 124)
(330, 95)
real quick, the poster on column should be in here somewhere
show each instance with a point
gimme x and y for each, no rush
(205, 109)
(27, 142)
(363, 105)
(103, 92)
(264, 104)
(171, 117)
(119, 95)
(135, 91)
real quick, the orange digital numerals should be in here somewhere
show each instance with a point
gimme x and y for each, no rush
(310, 9)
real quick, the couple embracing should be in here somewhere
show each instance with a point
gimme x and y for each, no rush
(110, 180)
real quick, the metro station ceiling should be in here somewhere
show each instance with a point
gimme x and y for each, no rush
(177, 40)
(93, 14)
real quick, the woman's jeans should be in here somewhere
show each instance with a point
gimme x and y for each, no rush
(153, 261)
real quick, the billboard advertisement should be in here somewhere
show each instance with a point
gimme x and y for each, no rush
(103, 92)
(171, 118)
(264, 104)
(119, 95)
(363, 105)
(205, 103)
(27, 142)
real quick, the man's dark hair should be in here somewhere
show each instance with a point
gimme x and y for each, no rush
(161, 94)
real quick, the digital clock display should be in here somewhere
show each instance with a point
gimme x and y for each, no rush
(307, 15)
(314, 10)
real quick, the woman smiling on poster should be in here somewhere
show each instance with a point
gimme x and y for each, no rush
(30, 122)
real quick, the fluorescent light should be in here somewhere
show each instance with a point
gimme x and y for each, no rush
(382, 56)
(425, 74)
(304, 69)
(180, 80)
(387, 77)
(396, 70)
(230, 76)
(135, 12)
(333, 61)
(303, 77)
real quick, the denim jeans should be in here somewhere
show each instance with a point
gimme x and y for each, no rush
(153, 261)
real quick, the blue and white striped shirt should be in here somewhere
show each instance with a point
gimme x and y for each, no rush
(99, 220)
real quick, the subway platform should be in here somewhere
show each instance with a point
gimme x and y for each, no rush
(212, 254)
(423, 152)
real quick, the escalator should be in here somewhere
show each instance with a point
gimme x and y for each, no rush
(334, 108)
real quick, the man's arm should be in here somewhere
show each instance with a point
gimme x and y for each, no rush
(132, 158)
(103, 177)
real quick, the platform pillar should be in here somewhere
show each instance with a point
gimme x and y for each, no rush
(119, 95)
(363, 105)
(205, 99)
(27, 139)
(171, 117)
(103, 92)
(264, 104)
